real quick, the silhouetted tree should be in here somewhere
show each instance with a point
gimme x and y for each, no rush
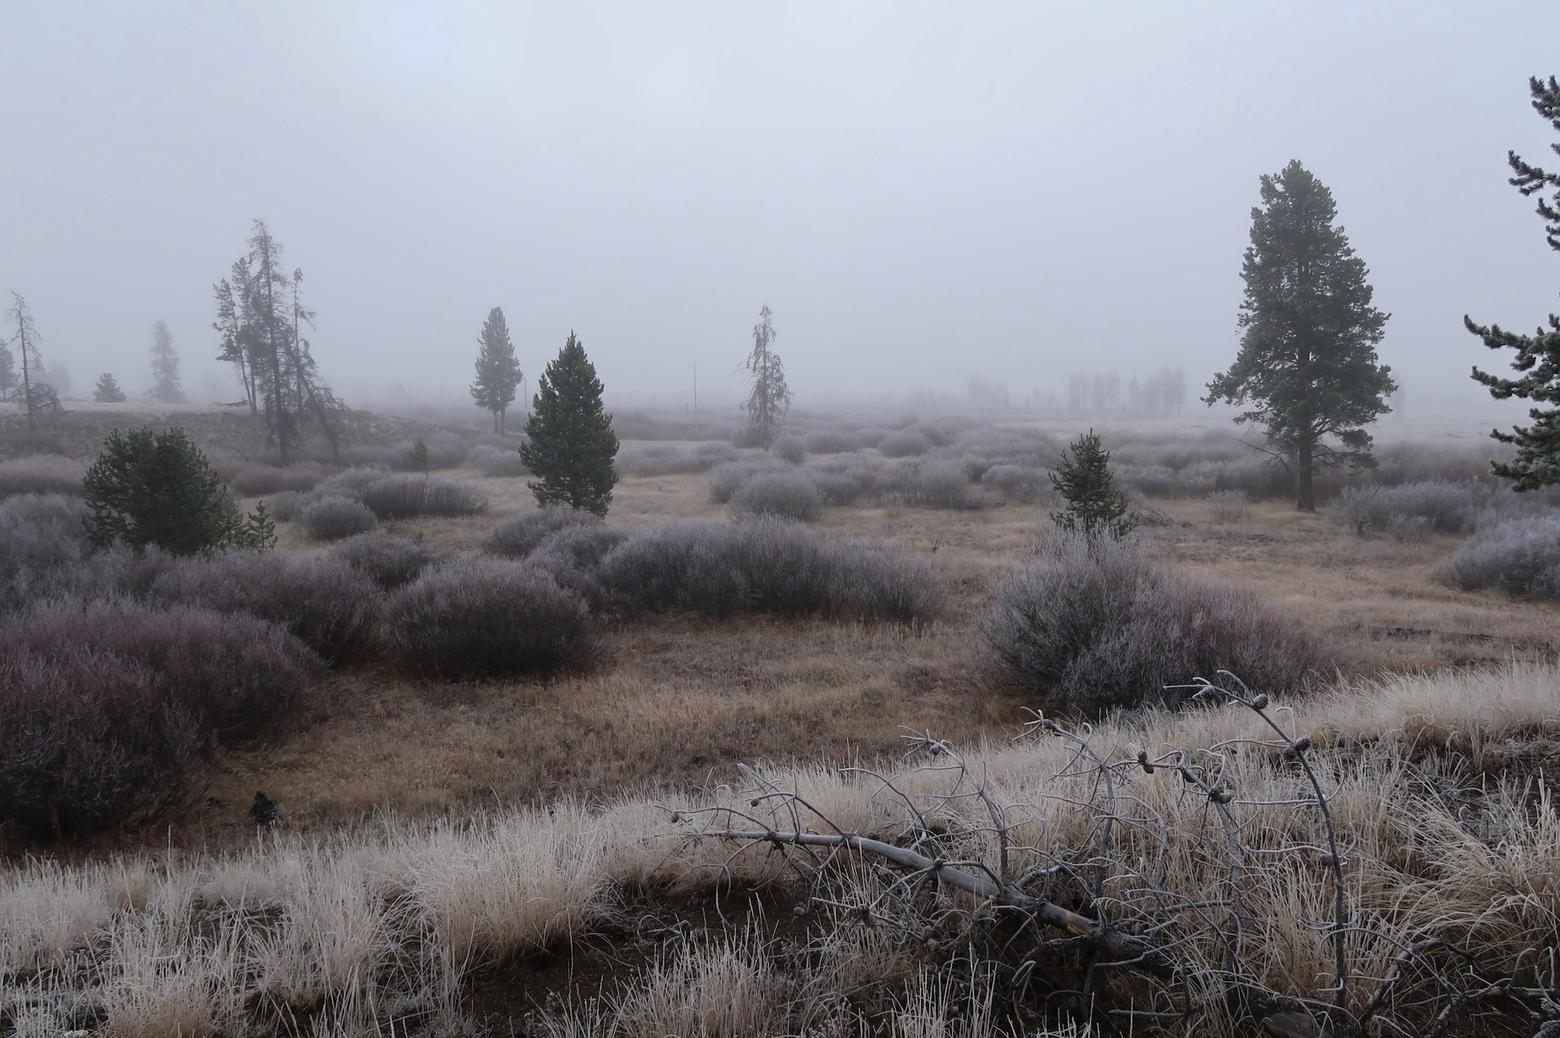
(570, 439)
(107, 390)
(1094, 506)
(498, 370)
(418, 459)
(770, 397)
(166, 387)
(26, 339)
(261, 319)
(1307, 363)
(1537, 359)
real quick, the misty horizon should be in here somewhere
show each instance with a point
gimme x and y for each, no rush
(922, 196)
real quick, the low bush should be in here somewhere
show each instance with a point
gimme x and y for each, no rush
(904, 445)
(1022, 484)
(236, 675)
(485, 616)
(1518, 556)
(727, 478)
(319, 597)
(767, 565)
(403, 497)
(790, 448)
(256, 480)
(442, 451)
(829, 441)
(930, 484)
(350, 482)
(519, 535)
(836, 487)
(1094, 625)
(1445, 507)
(384, 558)
(782, 495)
(87, 743)
(498, 461)
(41, 474)
(664, 460)
(579, 547)
(287, 505)
(332, 518)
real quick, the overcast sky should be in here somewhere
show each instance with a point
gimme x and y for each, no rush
(919, 191)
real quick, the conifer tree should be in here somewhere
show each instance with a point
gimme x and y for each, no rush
(1094, 506)
(166, 386)
(770, 397)
(418, 459)
(107, 390)
(498, 370)
(1537, 360)
(570, 439)
(26, 340)
(1307, 364)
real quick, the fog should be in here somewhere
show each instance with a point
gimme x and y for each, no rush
(921, 192)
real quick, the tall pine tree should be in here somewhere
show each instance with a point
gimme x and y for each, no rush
(571, 443)
(166, 386)
(770, 397)
(1307, 364)
(34, 393)
(498, 370)
(1537, 359)
(1094, 506)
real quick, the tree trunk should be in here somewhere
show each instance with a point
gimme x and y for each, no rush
(1305, 492)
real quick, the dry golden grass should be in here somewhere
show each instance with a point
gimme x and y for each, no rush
(678, 701)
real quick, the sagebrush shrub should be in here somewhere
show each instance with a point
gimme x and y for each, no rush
(403, 497)
(41, 474)
(790, 448)
(766, 565)
(1022, 484)
(384, 558)
(332, 518)
(88, 743)
(350, 482)
(727, 478)
(499, 461)
(1093, 624)
(829, 441)
(236, 676)
(783, 495)
(318, 597)
(1518, 556)
(519, 535)
(581, 547)
(256, 480)
(287, 505)
(904, 444)
(485, 616)
(836, 487)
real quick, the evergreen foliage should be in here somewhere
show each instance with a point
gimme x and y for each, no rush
(1094, 506)
(571, 442)
(418, 458)
(770, 397)
(107, 390)
(1307, 364)
(1537, 360)
(156, 488)
(166, 386)
(498, 370)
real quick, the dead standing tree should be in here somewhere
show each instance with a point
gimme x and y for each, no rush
(1098, 917)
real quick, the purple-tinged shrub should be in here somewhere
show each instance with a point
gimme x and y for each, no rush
(904, 444)
(257, 480)
(1517, 556)
(477, 616)
(781, 495)
(41, 474)
(519, 535)
(384, 558)
(332, 518)
(318, 597)
(403, 497)
(727, 478)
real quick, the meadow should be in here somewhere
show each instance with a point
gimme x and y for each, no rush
(547, 775)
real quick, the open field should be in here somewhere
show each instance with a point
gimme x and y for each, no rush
(565, 854)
